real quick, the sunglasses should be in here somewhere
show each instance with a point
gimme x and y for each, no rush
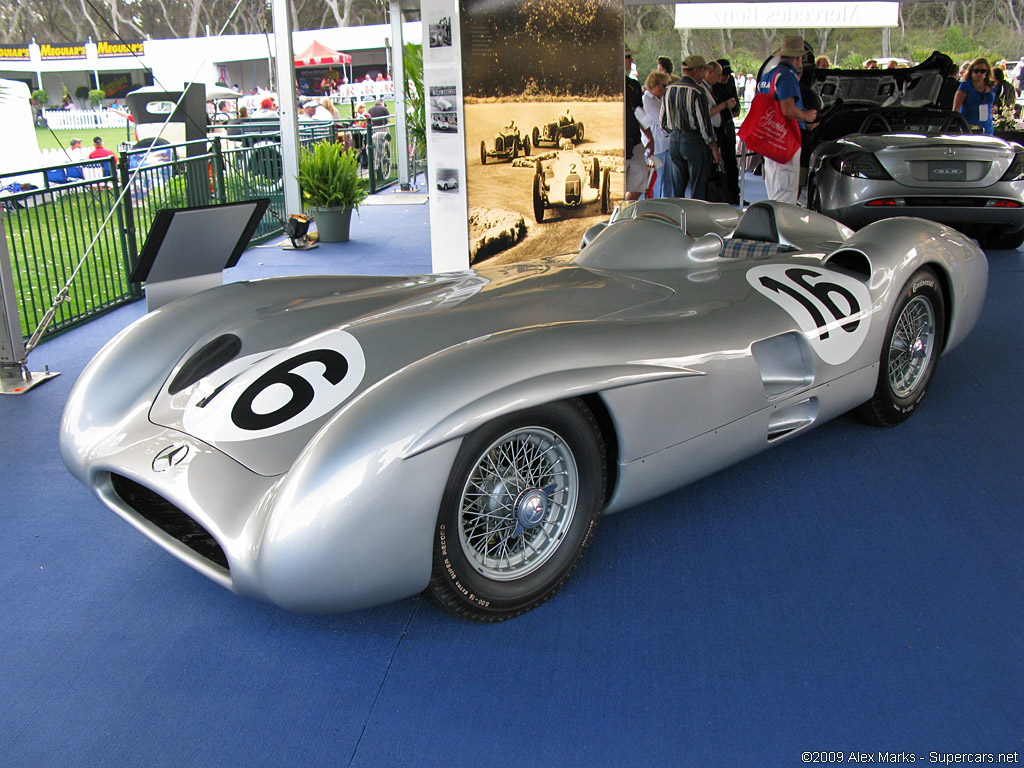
(980, 71)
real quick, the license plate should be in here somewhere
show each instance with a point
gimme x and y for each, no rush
(947, 170)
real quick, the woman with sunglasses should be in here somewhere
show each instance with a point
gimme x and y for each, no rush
(975, 97)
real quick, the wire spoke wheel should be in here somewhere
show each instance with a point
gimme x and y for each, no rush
(520, 508)
(910, 352)
(524, 472)
(912, 346)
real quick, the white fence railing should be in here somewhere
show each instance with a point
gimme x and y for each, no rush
(82, 119)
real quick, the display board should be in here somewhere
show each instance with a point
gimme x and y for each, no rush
(525, 125)
(446, 159)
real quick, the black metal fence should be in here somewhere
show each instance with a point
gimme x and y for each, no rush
(51, 226)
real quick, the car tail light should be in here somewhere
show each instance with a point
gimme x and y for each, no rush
(1016, 170)
(860, 165)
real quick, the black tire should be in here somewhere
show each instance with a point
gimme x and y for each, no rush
(480, 571)
(515, 148)
(536, 136)
(526, 146)
(483, 153)
(910, 351)
(606, 191)
(579, 131)
(813, 196)
(595, 174)
(1004, 242)
(538, 196)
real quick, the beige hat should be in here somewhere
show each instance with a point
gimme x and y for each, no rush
(694, 61)
(792, 47)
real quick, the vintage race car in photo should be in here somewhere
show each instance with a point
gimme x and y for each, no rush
(563, 127)
(327, 443)
(887, 143)
(508, 145)
(448, 182)
(569, 182)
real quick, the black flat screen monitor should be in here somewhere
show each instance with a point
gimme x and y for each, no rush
(197, 241)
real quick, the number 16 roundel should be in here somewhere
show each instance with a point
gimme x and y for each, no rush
(833, 310)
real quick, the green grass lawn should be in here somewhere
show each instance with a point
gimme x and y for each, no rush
(55, 139)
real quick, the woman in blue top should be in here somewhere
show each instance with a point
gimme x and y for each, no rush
(975, 97)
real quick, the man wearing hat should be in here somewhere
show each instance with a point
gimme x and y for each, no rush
(685, 114)
(783, 179)
(76, 152)
(725, 91)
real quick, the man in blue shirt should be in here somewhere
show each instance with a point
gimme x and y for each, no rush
(783, 179)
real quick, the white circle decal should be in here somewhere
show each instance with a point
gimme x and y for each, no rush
(833, 310)
(275, 392)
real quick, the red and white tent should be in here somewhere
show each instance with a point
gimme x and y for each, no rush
(319, 55)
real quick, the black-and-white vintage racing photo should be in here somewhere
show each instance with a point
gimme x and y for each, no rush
(544, 130)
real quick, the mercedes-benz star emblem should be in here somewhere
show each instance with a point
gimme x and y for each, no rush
(171, 456)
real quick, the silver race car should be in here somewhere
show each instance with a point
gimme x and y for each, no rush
(328, 443)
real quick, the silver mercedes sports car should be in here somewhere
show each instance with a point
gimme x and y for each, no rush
(327, 443)
(887, 143)
(923, 163)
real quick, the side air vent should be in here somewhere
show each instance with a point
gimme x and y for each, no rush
(168, 518)
(788, 420)
(212, 356)
(785, 363)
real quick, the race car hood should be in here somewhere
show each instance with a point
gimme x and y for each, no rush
(260, 385)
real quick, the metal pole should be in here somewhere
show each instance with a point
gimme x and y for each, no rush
(398, 78)
(287, 105)
(15, 377)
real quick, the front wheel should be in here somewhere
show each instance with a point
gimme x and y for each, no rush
(483, 153)
(913, 342)
(606, 192)
(579, 132)
(538, 196)
(520, 508)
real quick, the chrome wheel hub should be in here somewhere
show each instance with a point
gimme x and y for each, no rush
(912, 346)
(518, 503)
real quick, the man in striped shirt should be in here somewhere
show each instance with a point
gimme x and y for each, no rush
(685, 114)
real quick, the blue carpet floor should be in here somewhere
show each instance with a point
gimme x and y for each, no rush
(857, 589)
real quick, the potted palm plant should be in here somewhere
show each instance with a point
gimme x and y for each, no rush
(331, 188)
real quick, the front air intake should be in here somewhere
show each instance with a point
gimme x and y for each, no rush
(154, 508)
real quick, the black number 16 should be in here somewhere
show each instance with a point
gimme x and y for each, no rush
(822, 291)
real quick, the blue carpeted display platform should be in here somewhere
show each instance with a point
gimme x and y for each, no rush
(856, 589)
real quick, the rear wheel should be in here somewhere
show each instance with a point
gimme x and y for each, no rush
(522, 502)
(1004, 242)
(913, 342)
(483, 153)
(536, 136)
(606, 191)
(579, 131)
